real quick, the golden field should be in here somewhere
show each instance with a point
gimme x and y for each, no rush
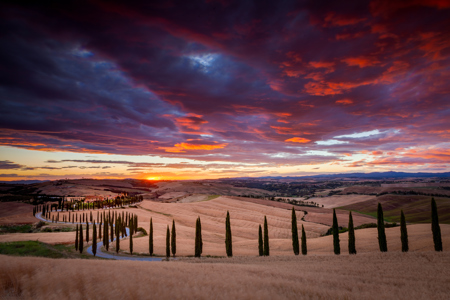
(419, 274)
(392, 275)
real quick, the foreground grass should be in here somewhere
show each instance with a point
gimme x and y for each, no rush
(392, 275)
(35, 248)
(16, 229)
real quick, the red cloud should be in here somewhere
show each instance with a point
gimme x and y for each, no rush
(344, 101)
(333, 19)
(192, 121)
(360, 61)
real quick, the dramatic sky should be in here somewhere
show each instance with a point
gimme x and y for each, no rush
(221, 88)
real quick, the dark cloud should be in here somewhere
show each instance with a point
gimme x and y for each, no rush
(244, 82)
(9, 165)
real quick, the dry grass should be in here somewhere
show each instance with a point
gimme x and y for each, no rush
(370, 276)
(16, 213)
(340, 200)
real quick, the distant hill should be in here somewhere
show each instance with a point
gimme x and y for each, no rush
(23, 181)
(374, 175)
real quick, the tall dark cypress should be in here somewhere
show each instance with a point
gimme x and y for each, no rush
(87, 232)
(80, 240)
(336, 245)
(118, 236)
(76, 238)
(403, 233)
(99, 230)
(295, 244)
(150, 238)
(106, 235)
(173, 241)
(435, 226)
(304, 247)
(260, 242)
(94, 239)
(168, 242)
(351, 235)
(131, 243)
(198, 234)
(266, 238)
(228, 241)
(111, 224)
(381, 231)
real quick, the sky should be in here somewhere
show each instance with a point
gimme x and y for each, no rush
(219, 88)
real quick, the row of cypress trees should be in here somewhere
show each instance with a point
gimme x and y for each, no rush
(263, 242)
(382, 241)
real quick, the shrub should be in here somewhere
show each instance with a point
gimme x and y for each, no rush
(144, 232)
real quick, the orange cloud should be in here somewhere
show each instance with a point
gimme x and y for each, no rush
(191, 121)
(322, 64)
(298, 140)
(344, 101)
(377, 152)
(283, 114)
(181, 147)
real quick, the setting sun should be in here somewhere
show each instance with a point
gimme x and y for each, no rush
(153, 178)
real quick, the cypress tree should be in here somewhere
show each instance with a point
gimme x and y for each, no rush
(131, 243)
(403, 233)
(173, 241)
(99, 230)
(80, 239)
(117, 237)
(112, 229)
(295, 244)
(351, 235)
(260, 242)
(200, 236)
(228, 241)
(435, 226)
(150, 238)
(168, 242)
(76, 238)
(197, 238)
(304, 247)
(266, 238)
(336, 245)
(87, 232)
(94, 239)
(106, 236)
(381, 231)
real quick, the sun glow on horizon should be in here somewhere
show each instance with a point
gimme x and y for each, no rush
(153, 178)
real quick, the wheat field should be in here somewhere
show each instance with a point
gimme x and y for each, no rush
(392, 275)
